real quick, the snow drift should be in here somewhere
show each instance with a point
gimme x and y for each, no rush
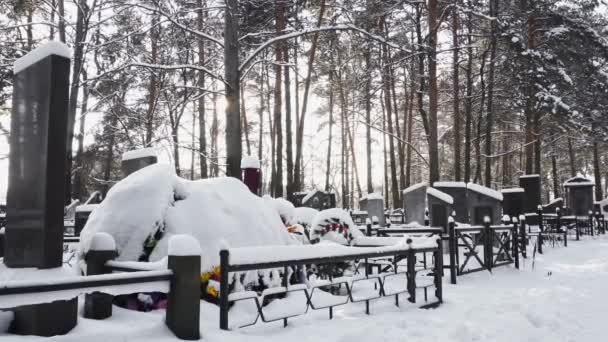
(218, 212)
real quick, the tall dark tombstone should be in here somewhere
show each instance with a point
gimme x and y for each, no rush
(513, 202)
(36, 188)
(374, 205)
(532, 197)
(580, 195)
(440, 208)
(35, 198)
(137, 160)
(251, 174)
(414, 202)
(458, 191)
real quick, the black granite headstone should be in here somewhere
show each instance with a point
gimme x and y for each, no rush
(131, 165)
(580, 195)
(439, 208)
(458, 191)
(35, 197)
(532, 197)
(482, 204)
(513, 202)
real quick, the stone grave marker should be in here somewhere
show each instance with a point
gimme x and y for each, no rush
(138, 159)
(483, 201)
(513, 202)
(580, 195)
(440, 207)
(458, 191)
(414, 202)
(374, 205)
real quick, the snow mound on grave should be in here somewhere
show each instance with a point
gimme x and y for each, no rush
(326, 226)
(134, 209)
(284, 208)
(305, 215)
(218, 212)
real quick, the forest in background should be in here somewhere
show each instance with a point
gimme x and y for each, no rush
(349, 96)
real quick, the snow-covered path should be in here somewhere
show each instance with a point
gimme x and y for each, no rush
(564, 298)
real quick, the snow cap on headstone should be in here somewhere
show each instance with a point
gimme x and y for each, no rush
(41, 52)
(184, 245)
(140, 153)
(102, 242)
(250, 162)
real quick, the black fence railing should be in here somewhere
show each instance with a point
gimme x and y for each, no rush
(399, 271)
(480, 248)
(179, 279)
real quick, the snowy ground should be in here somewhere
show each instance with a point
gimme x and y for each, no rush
(564, 298)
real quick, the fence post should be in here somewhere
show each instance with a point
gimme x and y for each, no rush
(523, 237)
(541, 229)
(368, 227)
(224, 288)
(411, 273)
(591, 222)
(558, 212)
(439, 270)
(488, 250)
(453, 249)
(427, 220)
(184, 298)
(515, 241)
(98, 305)
(576, 225)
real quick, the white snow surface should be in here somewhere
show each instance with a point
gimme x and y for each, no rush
(184, 245)
(309, 195)
(485, 191)
(250, 162)
(559, 300)
(450, 184)
(218, 212)
(305, 215)
(415, 187)
(574, 182)
(283, 207)
(440, 195)
(535, 175)
(51, 48)
(102, 242)
(140, 153)
(373, 196)
(512, 190)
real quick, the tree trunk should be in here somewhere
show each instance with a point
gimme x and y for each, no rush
(490, 114)
(245, 124)
(572, 158)
(79, 183)
(469, 99)
(288, 123)
(433, 92)
(456, 91)
(389, 116)
(278, 102)
(232, 79)
(331, 124)
(529, 107)
(596, 171)
(555, 176)
(81, 32)
(300, 128)
(61, 20)
(153, 85)
(215, 167)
